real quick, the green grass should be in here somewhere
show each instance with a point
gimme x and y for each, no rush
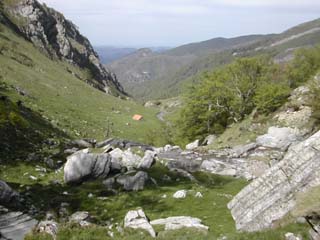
(66, 101)
(217, 192)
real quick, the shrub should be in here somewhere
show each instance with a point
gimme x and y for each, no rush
(17, 121)
(269, 97)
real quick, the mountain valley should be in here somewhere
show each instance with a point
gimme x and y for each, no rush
(211, 140)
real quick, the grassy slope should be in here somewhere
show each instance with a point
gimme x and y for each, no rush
(65, 100)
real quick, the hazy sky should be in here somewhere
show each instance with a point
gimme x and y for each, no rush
(174, 22)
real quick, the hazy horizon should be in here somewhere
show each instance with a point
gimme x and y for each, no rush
(170, 23)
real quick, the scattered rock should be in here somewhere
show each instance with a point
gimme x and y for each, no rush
(291, 236)
(148, 160)
(8, 197)
(296, 119)
(49, 227)
(82, 218)
(180, 194)
(133, 183)
(184, 174)
(243, 150)
(174, 223)
(137, 219)
(80, 143)
(90, 195)
(301, 220)
(193, 145)
(33, 178)
(198, 195)
(209, 140)
(169, 148)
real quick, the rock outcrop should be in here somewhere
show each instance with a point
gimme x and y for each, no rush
(8, 197)
(58, 37)
(133, 183)
(81, 166)
(130, 160)
(15, 225)
(271, 196)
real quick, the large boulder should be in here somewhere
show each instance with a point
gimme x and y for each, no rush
(82, 166)
(174, 223)
(128, 159)
(209, 140)
(133, 183)
(148, 160)
(280, 138)
(137, 219)
(15, 225)
(271, 196)
(81, 217)
(193, 145)
(8, 197)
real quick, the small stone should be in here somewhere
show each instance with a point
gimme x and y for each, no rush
(33, 178)
(301, 220)
(180, 194)
(111, 234)
(199, 195)
(49, 227)
(291, 236)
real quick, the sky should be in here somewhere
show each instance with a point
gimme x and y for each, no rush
(154, 23)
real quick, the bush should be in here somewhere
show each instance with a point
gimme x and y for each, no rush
(305, 65)
(269, 97)
(17, 121)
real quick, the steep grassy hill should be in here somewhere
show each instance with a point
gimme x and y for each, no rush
(185, 62)
(49, 98)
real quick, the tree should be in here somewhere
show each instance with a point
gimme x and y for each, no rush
(229, 94)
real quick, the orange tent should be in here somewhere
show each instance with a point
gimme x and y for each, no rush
(137, 117)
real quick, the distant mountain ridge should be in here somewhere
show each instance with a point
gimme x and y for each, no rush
(109, 54)
(168, 70)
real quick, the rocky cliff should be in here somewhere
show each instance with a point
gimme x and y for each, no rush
(273, 195)
(59, 38)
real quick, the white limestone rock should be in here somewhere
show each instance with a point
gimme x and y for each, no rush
(280, 138)
(193, 145)
(137, 219)
(174, 223)
(271, 196)
(180, 194)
